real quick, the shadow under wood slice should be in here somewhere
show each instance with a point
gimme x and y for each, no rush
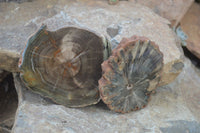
(8, 104)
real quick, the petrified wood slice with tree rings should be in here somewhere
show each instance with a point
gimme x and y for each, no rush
(64, 65)
(130, 74)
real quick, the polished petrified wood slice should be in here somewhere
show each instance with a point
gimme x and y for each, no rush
(130, 74)
(64, 65)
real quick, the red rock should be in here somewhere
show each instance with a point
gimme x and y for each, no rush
(190, 24)
(173, 10)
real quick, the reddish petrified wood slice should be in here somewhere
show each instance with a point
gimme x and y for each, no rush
(64, 65)
(130, 74)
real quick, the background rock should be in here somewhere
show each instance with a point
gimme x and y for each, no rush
(20, 20)
(173, 10)
(190, 24)
(173, 108)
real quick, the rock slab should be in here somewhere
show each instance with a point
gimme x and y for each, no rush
(126, 19)
(174, 108)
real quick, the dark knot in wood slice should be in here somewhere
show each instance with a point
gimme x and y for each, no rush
(130, 74)
(64, 65)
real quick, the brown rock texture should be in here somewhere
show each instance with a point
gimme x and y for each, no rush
(173, 10)
(190, 24)
(9, 60)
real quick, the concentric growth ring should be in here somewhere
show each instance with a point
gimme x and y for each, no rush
(64, 65)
